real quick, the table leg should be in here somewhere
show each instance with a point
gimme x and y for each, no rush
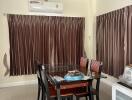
(58, 92)
(89, 90)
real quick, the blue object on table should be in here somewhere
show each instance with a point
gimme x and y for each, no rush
(69, 77)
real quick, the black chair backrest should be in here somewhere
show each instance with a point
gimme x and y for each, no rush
(38, 70)
(45, 82)
(39, 74)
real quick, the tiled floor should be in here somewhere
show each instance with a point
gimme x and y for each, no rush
(28, 92)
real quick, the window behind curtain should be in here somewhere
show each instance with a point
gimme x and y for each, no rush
(52, 40)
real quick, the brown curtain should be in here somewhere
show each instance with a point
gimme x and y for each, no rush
(110, 41)
(128, 36)
(52, 40)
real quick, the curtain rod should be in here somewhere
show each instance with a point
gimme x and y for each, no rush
(5, 14)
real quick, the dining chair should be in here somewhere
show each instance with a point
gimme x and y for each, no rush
(40, 85)
(50, 93)
(83, 68)
(38, 70)
(95, 69)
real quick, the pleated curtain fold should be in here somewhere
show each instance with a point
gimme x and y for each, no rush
(51, 40)
(114, 40)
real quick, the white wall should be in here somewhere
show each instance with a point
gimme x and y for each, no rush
(84, 8)
(104, 6)
(90, 29)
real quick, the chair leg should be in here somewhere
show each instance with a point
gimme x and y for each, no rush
(86, 98)
(38, 93)
(77, 98)
(71, 98)
(67, 98)
(43, 95)
(97, 97)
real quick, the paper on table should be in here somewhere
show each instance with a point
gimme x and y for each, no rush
(86, 77)
(58, 78)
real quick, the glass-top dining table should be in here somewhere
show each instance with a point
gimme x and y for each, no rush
(59, 80)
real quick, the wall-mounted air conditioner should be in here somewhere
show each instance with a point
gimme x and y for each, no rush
(47, 6)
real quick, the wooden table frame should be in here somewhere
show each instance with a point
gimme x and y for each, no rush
(68, 84)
